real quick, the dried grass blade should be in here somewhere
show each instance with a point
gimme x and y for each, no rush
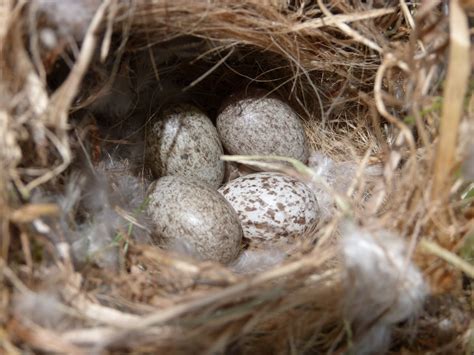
(335, 20)
(349, 31)
(448, 256)
(454, 92)
(29, 213)
(43, 339)
(62, 99)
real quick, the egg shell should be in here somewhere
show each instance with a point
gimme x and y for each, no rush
(183, 141)
(271, 206)
(261, 125)
(190, 213)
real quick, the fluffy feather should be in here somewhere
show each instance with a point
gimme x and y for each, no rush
(383, 286)
(100, 208)
(71, 17)
(339, 176)
(43, 308)
(257, 260)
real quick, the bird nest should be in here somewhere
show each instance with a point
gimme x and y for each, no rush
(383, 91)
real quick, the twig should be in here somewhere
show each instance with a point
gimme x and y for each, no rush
(63, 148)
(30, 212)
(388, 62)
(453, 98)
(104, 50)
(335, 20)
(448, 256)
(15, 280)
(228, 293)
(208, 72)
(407, 14)
(123, 320)
(64, 96)
(43, 338)
(349, 31)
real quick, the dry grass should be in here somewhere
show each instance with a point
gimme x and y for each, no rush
(368, 83)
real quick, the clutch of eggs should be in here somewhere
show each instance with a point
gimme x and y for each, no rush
(185, 148)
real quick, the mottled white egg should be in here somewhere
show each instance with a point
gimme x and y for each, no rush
(190, 215)
(183, 141)
(261, 125)
(271, 206)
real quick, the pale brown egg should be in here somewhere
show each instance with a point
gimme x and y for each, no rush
(261, 125)
(190, 215)
(183, 141)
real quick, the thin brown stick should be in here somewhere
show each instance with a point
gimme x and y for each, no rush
(335, 20)
(63, 97)
(448, 256)
(454, 93)
(349, 31)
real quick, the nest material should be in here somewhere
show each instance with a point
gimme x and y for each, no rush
(365, 77)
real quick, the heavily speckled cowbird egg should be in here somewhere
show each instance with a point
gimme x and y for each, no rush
(271, 206)
(261, 125)
(190, 214)
(184, 142)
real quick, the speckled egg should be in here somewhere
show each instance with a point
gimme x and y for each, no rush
(183, 141)
(189, 213)
(261, 125)
(271, 206)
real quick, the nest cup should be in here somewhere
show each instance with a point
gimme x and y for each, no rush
(80, 88)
